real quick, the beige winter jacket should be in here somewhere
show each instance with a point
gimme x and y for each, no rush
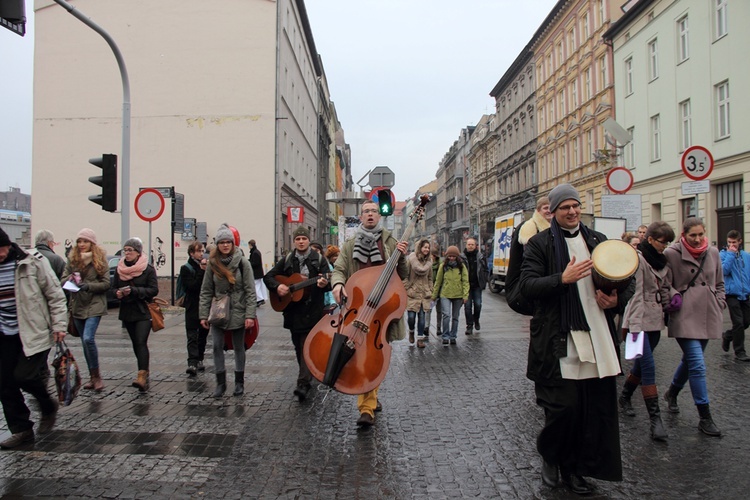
(418, 283)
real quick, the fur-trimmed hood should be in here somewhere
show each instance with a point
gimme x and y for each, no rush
(536, 224)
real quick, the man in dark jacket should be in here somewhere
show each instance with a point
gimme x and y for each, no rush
(477, 264)
(572, 357)
(256, 263)
(301, 316)
(191, 277)
(45, 242)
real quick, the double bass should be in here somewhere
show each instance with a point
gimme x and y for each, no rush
(350, 352)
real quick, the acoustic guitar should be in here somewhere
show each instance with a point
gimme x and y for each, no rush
(297, 288)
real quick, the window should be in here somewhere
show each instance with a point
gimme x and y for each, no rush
(721, 18)
(722, 110)
(549, 65)
(587, 84)
(574, 93)
(630, 150)
(628, 76)
(682, 42)
(602, 12)
(585, 26)
(685, 136)
(576, 158)
(562, 103)
(655, 138)
(653, 60)
(564, 160)
(590, 145)
(541, 117)
(560, 58)
(551, 106)
(603, 73)
(571, 41)
(540, 73)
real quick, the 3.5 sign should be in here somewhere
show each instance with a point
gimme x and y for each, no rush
(697, 163)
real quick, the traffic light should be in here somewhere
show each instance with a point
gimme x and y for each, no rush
(385, 202)
(108, 182)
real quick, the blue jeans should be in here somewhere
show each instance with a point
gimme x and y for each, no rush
(473, 307)
(644, 367)
(87, 327)
(451, 308)
(692, 368)
(419, 316)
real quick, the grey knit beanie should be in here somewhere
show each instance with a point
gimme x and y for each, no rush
(135, 243)
(224, 233)
(561, 193)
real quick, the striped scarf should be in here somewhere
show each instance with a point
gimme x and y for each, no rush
(8, 310)
(366, 245)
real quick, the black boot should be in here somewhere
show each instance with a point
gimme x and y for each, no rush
(631, 383)
(706, 424)
(658, 432)
(239, 383)
(221, 384)
(671, 398)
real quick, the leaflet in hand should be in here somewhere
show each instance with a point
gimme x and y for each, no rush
(70, 286)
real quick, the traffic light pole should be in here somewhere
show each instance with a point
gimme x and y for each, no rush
(125, 155)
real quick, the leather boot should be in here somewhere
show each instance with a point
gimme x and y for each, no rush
(671, 398)
(221, 384)
(630, 385)
(651, 398)
(411, 336)
(93, 374)
(141, 381)
(706, 424)
(239, 383)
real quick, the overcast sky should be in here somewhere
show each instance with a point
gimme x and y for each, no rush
(405, 75)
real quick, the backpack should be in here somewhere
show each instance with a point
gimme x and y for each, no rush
(516, 300)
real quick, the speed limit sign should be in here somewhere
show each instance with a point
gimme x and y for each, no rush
(697, 163)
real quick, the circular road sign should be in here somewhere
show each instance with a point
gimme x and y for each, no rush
(697, 163)
(149, 204)
(619, 180)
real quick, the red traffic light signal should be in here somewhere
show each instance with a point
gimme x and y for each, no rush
(107, 181)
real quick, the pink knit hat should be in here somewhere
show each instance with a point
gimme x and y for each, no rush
(87, 234)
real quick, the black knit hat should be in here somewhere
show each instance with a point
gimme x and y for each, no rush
(4, 238)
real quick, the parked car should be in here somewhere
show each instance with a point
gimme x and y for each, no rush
(112, 300)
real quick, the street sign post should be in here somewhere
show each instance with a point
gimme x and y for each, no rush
(697, 164)
(619, 180)
(149, 206)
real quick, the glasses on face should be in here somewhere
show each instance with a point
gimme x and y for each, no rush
(370, 211)
(567, 208)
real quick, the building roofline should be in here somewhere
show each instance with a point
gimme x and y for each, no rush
(618, 26)
(525, 55)
(309, 37)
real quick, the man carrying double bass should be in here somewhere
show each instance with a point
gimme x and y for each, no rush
(301, 316)
(371, 246)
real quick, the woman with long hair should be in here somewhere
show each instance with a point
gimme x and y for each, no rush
(698, 280)
(228, 273)
(452, 289)
(419, 290)
(645, 314)
(87, 267)
(136, 284)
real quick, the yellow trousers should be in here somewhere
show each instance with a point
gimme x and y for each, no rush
(368, 401)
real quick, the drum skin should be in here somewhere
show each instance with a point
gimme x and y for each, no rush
(615, 263)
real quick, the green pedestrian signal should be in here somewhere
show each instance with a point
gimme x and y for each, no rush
(385, 202)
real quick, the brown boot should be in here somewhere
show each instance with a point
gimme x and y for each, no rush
(91, 384)
(96, 378)
(141, 381)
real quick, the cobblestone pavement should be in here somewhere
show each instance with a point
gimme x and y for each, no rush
(458, 422)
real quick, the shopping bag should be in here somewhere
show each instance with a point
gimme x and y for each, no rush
(251, 335)
(67, 375)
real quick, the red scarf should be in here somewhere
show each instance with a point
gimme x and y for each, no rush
(695, 252)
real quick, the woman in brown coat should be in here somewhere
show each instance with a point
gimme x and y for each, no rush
(645, 315)
(698, 278)
(419, 290)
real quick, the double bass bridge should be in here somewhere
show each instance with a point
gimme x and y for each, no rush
(359, 325)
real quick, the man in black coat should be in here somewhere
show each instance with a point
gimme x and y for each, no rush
(572, 357)
(301, 316)
(191, 278)
(476, 263)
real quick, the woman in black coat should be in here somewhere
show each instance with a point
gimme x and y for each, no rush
(256, 262)
(136, 285)
(191, 278)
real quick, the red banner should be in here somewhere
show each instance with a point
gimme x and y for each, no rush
(295, 214)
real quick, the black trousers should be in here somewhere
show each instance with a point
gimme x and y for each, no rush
(581, 431)
(139, 332)
(196, 344)
(304, 377)
(35, 376)
(739, 312)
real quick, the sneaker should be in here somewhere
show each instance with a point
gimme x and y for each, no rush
(301, 391)
(453, 341)
(741, 356)
(445, 342)
(200, 366)
(18, 439)
(468, 331)
(191, 370)
(725, 342)
(476, 325)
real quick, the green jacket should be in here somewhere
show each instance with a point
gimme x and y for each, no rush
(346, 266)
(242, 293)
(451, 284)
(40, 302)
(92, 302)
